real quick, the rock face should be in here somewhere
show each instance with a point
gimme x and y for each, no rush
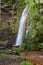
(3, 44)
(8, 28)
(10, 60)
(10, 16)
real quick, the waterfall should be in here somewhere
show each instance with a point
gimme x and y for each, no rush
(21, 27)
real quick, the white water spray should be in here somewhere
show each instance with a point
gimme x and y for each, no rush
(21, 27)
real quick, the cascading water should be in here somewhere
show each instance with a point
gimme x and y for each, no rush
(21, 27)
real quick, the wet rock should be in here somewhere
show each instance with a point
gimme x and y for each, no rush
(3, 44)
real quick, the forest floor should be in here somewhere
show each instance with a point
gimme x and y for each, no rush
(35, 57)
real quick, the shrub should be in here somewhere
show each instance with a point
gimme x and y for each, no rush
(41, 45)
(26, 63)
(21, 48)
(30, 46)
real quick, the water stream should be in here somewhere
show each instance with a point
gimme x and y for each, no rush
(21, 27)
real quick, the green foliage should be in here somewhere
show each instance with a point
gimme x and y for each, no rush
(41, 45)
(30, 47)
(35, 35)
(21, 48)
(13, 3)
(26, 63)
(15, 49)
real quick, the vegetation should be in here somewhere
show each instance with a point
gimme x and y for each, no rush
(35, 34)
(34, 40)
(26, 63)
(19, 49)
(11, 11)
